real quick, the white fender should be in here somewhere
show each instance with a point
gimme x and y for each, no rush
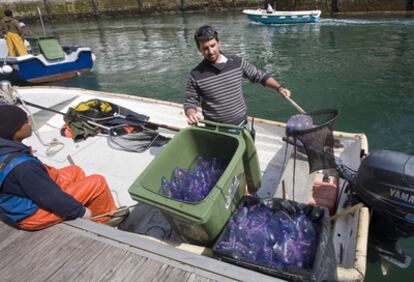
(7, 69)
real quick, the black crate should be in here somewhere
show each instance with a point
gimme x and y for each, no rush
(323, 267)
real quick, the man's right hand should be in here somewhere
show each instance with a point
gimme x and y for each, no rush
(88, 214)
(192, 117)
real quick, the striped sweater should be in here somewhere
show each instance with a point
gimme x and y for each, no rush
(219, 89)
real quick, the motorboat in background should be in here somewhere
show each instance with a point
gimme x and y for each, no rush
(283, 17)
(47, 61)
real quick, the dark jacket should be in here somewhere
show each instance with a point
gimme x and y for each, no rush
(31, 180)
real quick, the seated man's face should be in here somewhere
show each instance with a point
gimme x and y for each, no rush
(24, 131)
(210, 49)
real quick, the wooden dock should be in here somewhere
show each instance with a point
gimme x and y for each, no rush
(81, 250)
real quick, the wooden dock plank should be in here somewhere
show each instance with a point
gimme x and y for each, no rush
(59, 254)
(8, 235)
(97, 265)
(169, 273)
(146, 272)
(50, 253)
(125, 268)
(24, 247)
(68, 260)
(191, 277)
(161, 271)
(188, 276)
(109, 263)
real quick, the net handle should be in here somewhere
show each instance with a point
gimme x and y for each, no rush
(297, 107)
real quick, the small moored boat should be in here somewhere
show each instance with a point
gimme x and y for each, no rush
(283, 17)
(47, 61)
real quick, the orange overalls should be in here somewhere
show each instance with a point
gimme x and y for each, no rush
(92, 191)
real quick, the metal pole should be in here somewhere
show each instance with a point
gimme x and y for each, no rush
(41, 21)
(47, 7)
(140, 6)
(95, 8)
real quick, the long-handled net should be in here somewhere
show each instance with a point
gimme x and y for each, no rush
(314, 132)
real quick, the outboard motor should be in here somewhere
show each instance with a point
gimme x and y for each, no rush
(385, 183)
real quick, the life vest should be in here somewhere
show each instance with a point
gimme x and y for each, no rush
(14, 208)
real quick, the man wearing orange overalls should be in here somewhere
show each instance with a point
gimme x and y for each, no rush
(34, 195)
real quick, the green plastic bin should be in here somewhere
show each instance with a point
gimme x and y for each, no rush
(200, 222)
(251, 163)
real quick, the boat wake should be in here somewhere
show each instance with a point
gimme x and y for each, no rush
(387, 22)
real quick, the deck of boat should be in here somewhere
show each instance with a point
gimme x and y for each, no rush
(81, 250)
(86, 251)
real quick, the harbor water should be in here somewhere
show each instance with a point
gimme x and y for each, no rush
(364, 67)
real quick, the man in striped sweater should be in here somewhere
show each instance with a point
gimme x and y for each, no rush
(217, 83)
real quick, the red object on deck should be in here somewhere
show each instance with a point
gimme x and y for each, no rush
(325, 192)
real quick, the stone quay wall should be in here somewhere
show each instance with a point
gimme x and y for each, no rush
(66, 9)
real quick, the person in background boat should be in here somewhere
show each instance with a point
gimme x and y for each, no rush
(26, 32)
(34, 195)
(10, 27)
(268, 6)
(217, 83)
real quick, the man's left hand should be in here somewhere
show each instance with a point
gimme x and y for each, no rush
(284, 92)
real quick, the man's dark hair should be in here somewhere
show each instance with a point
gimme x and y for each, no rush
(8, 13)
(205, 33)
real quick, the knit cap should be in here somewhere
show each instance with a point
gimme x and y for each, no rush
(11, 119)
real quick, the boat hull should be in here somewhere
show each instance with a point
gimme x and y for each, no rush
(34, 69)
(283, 17)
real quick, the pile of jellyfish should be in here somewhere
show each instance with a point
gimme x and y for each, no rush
(194, 184)
(270, 238)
